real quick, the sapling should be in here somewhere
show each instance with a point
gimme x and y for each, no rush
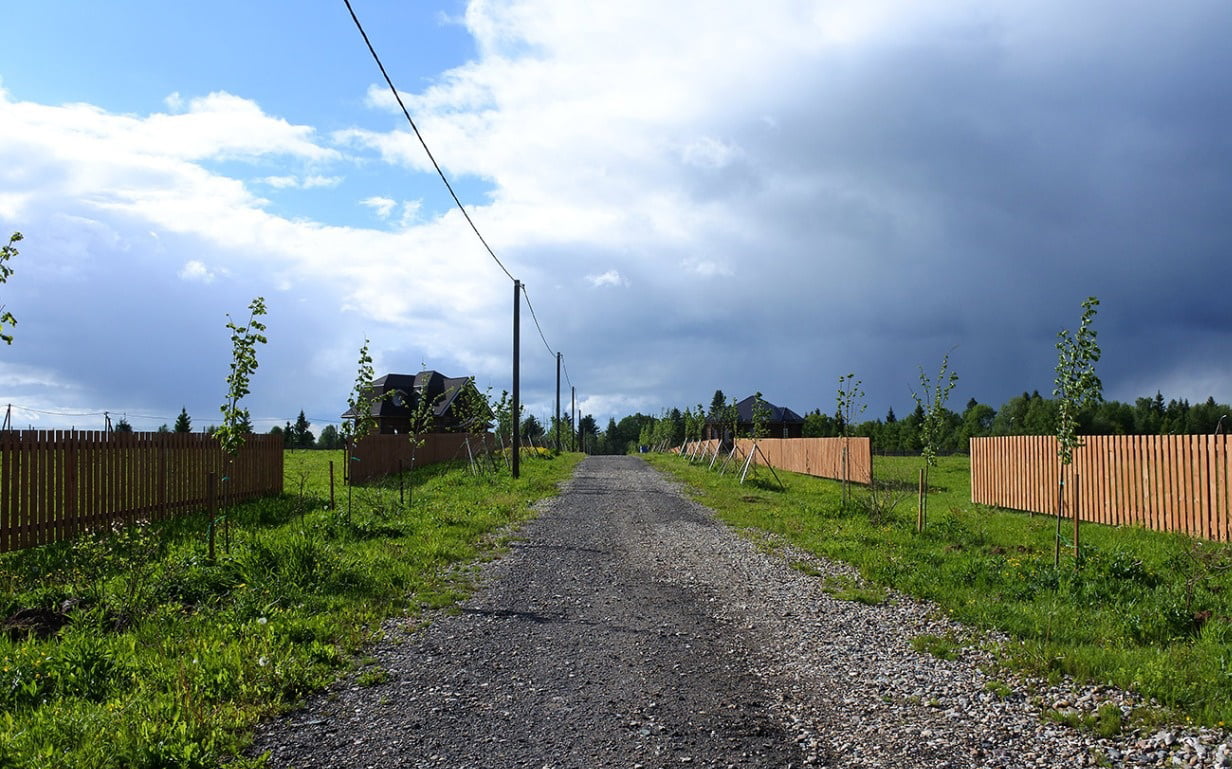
(699, 426)
(236, 424)
(935, 394)
(1076, 386)
(474, 412)
(421, 421)
(7, 252)
(761, 418)
(849, 404)
(360, 403)
(503, 413)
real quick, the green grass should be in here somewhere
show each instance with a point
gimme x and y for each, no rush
(1146, 611)
(169, 659)
(1107, 721)
(848, 589)
(943, 647)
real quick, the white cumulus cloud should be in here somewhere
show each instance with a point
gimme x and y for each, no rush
(381, 205)
(195, 270)
(609, 278)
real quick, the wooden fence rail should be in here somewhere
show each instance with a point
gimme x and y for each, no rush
(379, 455)
(821, 457)
(56, 484)
(1163, 482)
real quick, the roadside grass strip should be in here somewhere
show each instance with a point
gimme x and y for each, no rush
(129, 648)
(1142, 610)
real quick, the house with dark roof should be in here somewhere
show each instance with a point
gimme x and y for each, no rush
(397, 396)
(781, 422)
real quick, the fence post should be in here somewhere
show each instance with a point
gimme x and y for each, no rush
(922, 487)
(331, 485)
(1056, 544)
(1077, 505)
(211, 496)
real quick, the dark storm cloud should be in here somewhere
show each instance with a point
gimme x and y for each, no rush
(970, 189)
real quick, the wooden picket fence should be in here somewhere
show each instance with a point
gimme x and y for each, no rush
(56, 484)
(820, 457)
(379, 455)
(1164, 482)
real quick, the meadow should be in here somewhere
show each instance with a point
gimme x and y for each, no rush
(1142, 610)
(167, 659)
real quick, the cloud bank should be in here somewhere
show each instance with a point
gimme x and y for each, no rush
(697, 197)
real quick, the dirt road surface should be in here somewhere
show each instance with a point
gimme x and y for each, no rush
(627, 628)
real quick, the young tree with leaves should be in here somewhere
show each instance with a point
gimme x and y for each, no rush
(849, 404)
(422, 420)
(360, 401)
(7, 252)
(1075, 387)
(932, 404)
(236, 424)
(761, 417)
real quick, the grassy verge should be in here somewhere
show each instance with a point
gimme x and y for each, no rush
(168, 660)
(1146, 611)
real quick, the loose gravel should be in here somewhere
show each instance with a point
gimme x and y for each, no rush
(628, 628)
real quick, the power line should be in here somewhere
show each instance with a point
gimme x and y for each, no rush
(153, 417)
(58, 413)
(536, 319)
(419, 136)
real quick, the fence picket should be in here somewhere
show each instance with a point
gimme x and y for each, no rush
(57, 484)
(1168, 483)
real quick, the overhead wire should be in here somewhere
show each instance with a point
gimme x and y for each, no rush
(152, 417)
(534, 317)
(406, 113)
(419, 136)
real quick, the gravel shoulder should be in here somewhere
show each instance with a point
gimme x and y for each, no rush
(626, 627)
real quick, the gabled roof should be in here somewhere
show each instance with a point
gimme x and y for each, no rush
(407, 389)
(777, 415)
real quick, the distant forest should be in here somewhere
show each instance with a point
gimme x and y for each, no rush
(1026, 414)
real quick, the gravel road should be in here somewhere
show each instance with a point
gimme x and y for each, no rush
(627, 628)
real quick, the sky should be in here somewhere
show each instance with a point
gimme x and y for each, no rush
(696, 195)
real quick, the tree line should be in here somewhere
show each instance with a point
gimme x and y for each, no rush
(1025, 414)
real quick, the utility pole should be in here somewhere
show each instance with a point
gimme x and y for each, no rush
(516, 441)
(558, 402)
(573, 417)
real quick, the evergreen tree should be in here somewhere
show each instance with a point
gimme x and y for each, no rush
(244, 424)
(531, 428)
(122, 426)
(183, 424)
(301, 436)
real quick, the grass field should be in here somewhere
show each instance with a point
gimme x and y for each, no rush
(1146, 611)
(168, 659)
